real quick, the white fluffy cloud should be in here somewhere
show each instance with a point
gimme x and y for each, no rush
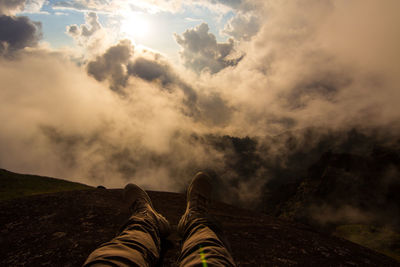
(91, 36)
(201, 51)
(93, 25)
(243, 26)
(34, 6)
(74, 127)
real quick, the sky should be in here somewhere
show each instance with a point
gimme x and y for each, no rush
(111, 91)
(145, 23)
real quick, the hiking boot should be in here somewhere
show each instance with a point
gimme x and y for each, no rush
(198, 199)
(140, 202)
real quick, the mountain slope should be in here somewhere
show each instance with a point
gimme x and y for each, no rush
(13, 185)
(352, 196)
(61, 229)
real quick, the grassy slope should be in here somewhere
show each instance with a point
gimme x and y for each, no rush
(381, 239)
(13, 185)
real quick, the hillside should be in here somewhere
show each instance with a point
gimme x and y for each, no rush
(13, 185)
(61, 229)
(352, 196)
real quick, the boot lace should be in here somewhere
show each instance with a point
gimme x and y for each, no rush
(199, 203)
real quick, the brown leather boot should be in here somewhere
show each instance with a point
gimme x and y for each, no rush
(198, 199)
(140, 202)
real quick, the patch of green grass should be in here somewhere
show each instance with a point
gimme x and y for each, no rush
(381, 239)
(13, 185)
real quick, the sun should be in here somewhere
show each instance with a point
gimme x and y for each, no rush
(135, 26)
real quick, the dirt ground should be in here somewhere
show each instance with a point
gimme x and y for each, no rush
(61, 229)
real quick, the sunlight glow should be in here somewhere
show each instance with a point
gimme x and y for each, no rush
(135, 27)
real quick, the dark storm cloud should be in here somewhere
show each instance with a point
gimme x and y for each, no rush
(151, 70)
(154, 69)
(17, 33)
(112, 65)
(201, 51)
(8, 7)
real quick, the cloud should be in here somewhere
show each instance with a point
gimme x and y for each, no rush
(113, 6)
(34, 6)
(87, 5)
(226, 6)
(329, 65)
(153, 68)
(91, 36)
(112, 65)
(233, 3)
(122, 66)
(325, 214)
(201, 51)
(16, 33)
(152, 6)
(78, 129)
(118, 63)
(78, 5)
(10, 7)
(311, 64)
(92, 21)
(243, 26)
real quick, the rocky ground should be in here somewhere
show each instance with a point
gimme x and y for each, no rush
(61, 229)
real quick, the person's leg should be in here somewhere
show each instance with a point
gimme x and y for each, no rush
(138, 244)
(203, 241)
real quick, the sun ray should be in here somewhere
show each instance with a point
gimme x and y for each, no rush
(135, 26)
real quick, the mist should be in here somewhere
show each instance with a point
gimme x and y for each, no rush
(122, 114)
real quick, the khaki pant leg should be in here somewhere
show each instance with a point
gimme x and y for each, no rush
(202, 247)
(138, 244)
